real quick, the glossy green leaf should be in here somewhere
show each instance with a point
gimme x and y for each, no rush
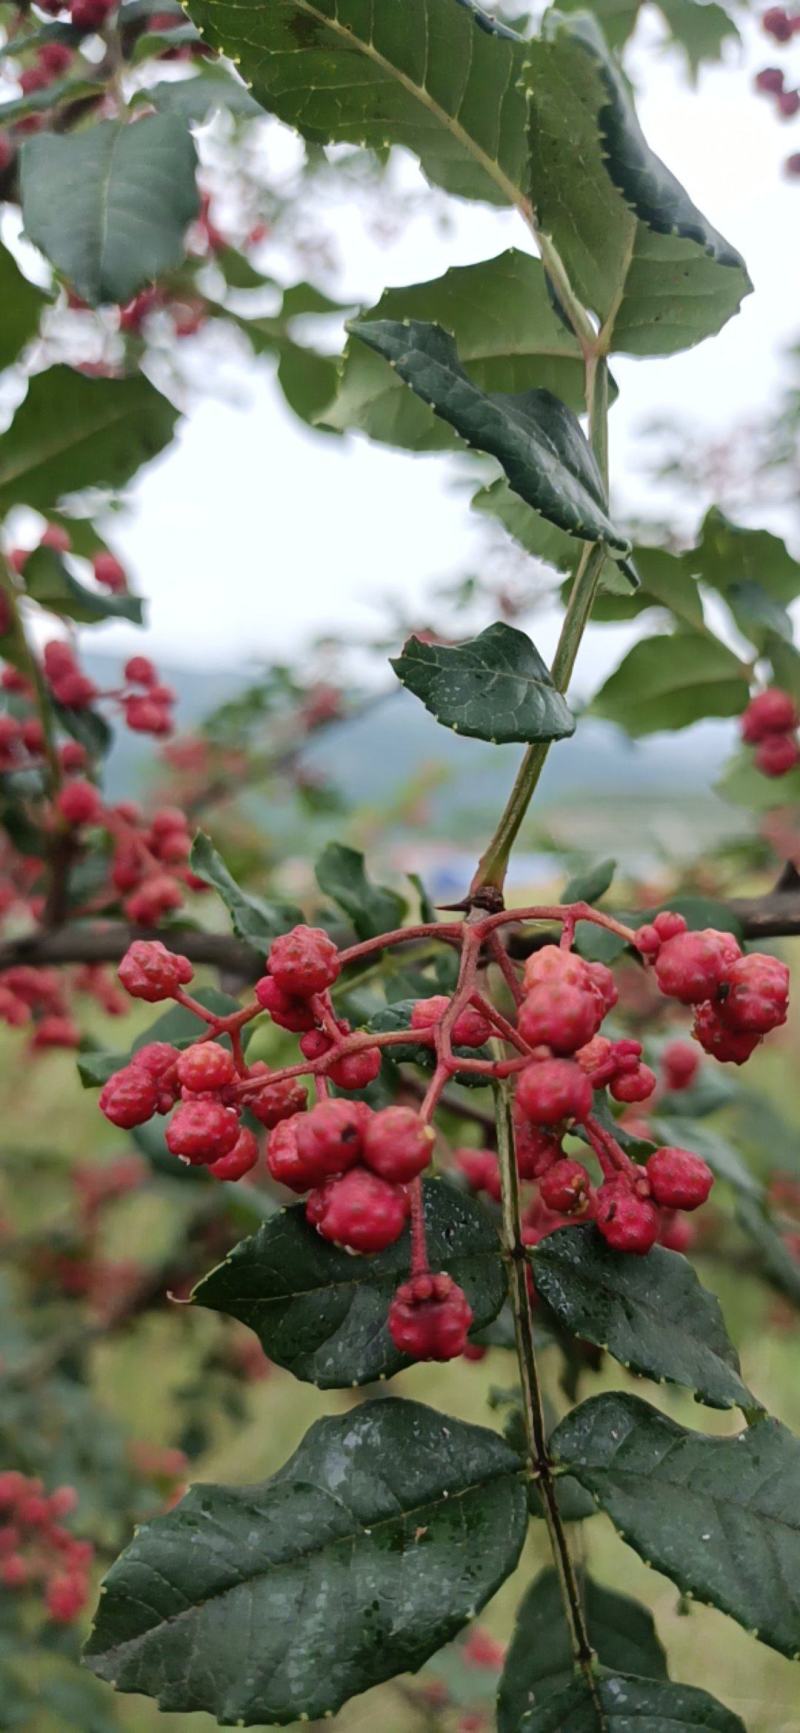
(322, 1313)
(254, 919)
(388, 1528)
(671, 681)
(540, 1663)
(621, 1302)
(664, 582)
(372, 908)
(636, 249)
(72, 432)
(22, 305)
(109, 207)
(508, 336)
(591, 885)
(778, 1258)
(533, 435)
(494, 687)
(630, 1705)
(49, 581)
(543, 540)
(719, 1516)
(195, 99)
(438, 76)
(754, 572)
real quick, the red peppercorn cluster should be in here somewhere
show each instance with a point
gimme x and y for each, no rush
(738, 999)
(769, 724)
(36, 1551)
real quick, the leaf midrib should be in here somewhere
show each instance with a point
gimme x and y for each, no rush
(488, 164)
(445, 1499)
(315, 1292)
(8, 475)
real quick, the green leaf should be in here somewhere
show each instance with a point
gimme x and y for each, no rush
(254, 919)
(195, 99)
(540, 1662)
(49, 581)
(494, 687)
(89, 727)
(322, 1313)
(507, 334)
(51, 96)
(636, 249)
(743, 784)
(438, 76)
(109, 207)
(779, 1261)
(664, 582)
(630, 1705)
(388, 1528)
(543, 540)
(177, 1025)
(22, 305)
(397, 1016)
(719, 1516)
(342, 876)
(73, 432)
(621, 1302)
(700, 28)
(752, 570)
(533, 435)
(671, 681)
(591, 885)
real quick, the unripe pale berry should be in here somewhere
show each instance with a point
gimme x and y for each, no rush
(429, 1318)
(129, 1098)
(303, 962)
(202, 1131)
(329, 1137)
(397, 1144)
(359, 1211)
(149, 971)
(559, 1016)
(627, 1222)
(679, 1179)
(564, 1186)
(691, 966)
(207, 1066)
(554, 1089)
(239, 1160)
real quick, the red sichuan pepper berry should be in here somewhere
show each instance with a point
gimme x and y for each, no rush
(679, 1179)
(680, 1063)
(553, 1090)
(429, 1318)
(205, 1067)
(359, 1211)
(129, 1098)
(149, 971)
(275, 1101)
(239, 1160)
(471, 1027)
(480, 1170)
(284, 1161)
(329, 1137)
(79, 803)
(303, 962)
(777, 755)
(770, 712)
(627, 1222)
(397, 1144)
(286, 1009)
(564, 1187)
(691, 966)
(559, 1016)
(202, 1131)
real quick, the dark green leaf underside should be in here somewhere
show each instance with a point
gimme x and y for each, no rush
(387, 1529)
(494, 687)
(254, 919)
(629, 1705)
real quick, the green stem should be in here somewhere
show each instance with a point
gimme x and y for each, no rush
(532, 1401)
(493, 863)
(29, 665)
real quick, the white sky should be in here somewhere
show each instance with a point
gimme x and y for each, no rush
(254, 531)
